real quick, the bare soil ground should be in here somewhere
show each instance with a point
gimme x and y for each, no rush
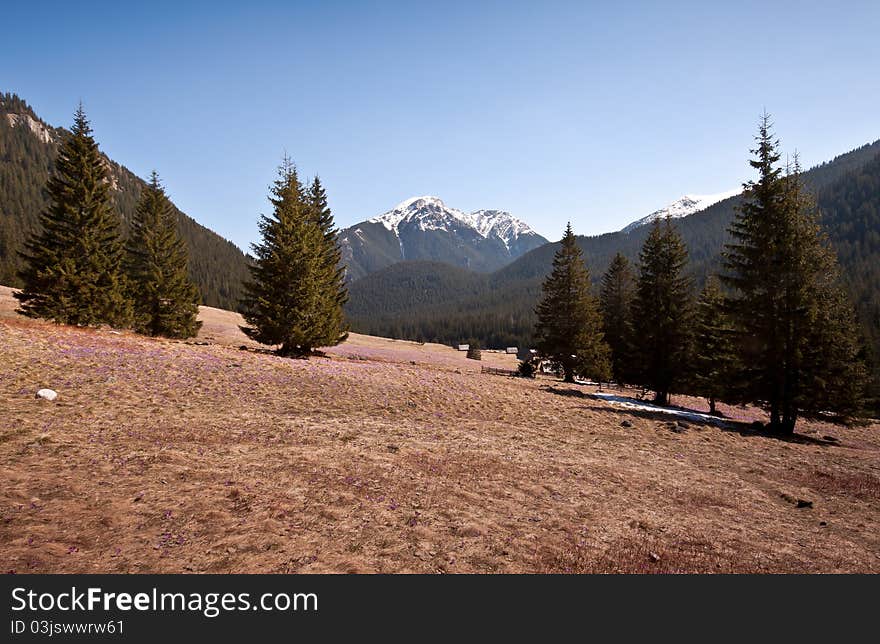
(384, 456)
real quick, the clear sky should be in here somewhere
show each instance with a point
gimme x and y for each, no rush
(594, 112)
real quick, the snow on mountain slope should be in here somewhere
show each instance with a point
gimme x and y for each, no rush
(687, 205)
(500, 224)
(430, 213)
(425, 228)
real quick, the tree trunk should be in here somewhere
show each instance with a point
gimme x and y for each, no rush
(293, 351)
(568, 373)
(789, 413)
(712, 411)
(661, 398)
(774, 425)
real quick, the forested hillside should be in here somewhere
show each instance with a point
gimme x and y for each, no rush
(427, 300)
(851, 208)
(27, 152)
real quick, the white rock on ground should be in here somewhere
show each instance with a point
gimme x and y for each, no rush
(48, 394)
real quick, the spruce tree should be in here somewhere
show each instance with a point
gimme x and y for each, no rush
(615, 303)
(794, 328)
(662, 310)
(166, 301)
(293, 299)
(334, 291)
(713, 355)
(836, 373)
(830, 374)
(73, 270)
(569, 326)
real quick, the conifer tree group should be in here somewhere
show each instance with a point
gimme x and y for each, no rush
(794, 329)
(78, 268)
(778, 330)
(295, 297)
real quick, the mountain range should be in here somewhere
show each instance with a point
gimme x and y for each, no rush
(425, 228)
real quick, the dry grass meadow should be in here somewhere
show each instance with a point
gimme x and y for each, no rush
(384, 456)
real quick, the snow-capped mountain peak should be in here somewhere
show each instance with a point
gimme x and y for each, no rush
(425, 228)
(500, 224)
(430, 213)
(686, 205)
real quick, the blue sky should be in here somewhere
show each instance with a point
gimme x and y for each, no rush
(594, 112)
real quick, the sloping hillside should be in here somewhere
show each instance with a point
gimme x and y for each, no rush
(27, 152)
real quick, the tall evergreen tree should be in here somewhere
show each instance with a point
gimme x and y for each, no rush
(713, 355)
(292, 300)
(166, 301)
(796, 353)
(830, 374)
(836, 373)
(334, 291)
(569, 326)
(662, 310)
(615, 303)
(73, 264)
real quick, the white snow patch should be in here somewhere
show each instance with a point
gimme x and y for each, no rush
(500, 224)
(687, 205)
(641, 405)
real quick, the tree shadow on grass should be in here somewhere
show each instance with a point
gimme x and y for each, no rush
(672, 415)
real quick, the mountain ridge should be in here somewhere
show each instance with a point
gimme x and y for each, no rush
(425, 228)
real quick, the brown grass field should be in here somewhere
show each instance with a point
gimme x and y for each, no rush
(391, 456)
